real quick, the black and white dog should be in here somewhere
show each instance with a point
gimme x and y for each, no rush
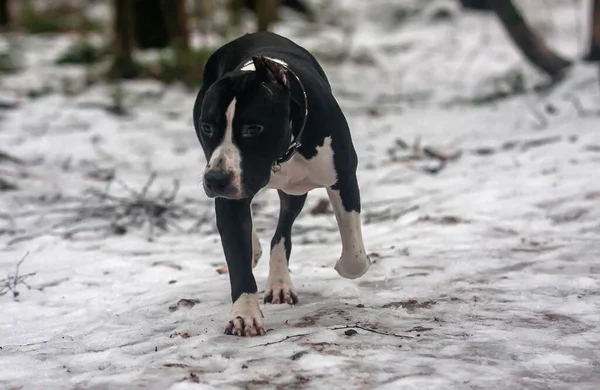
(266, 117)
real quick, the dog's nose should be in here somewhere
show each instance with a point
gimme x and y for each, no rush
(217, 181)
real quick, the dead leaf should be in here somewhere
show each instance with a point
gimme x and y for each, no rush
(307, 321)
(184, 335)
(167, 264)
(194, 377)
(188, 303)
(475, 298)
(419, 329)
(319, 346)
(450, 220)
(443, 220)
(178, 365)
(558, 317)
(222, 271)
(592, 195)
(409, 305)
(569, 216)
(484, 151)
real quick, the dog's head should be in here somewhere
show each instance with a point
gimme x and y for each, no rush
(244, 128)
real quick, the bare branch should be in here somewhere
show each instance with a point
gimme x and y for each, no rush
(372, 331)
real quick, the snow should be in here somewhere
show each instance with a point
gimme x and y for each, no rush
(499, 250)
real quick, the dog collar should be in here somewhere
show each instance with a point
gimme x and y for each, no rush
(297, 140)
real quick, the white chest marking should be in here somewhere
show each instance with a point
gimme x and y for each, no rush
(299, 175)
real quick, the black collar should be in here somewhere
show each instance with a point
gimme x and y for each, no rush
(297, 140)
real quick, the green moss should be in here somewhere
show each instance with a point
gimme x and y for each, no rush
(81, 53)
(185, 65)
(58, 19)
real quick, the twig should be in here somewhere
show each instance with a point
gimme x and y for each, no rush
(174, 192)
(11, 282)
(281, 341)
(31, 236)
(116, 214)
(372, 331)
(148, 184)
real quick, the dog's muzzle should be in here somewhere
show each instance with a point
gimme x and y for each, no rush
(219, 183)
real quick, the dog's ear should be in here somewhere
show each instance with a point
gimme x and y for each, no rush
(269, 70)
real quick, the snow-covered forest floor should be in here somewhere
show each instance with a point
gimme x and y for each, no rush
(486, 268)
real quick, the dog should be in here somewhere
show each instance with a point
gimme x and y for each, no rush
(266, 117)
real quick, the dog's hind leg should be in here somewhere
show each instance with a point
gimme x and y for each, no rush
(345, 199)
(256, 247)
(279, 285)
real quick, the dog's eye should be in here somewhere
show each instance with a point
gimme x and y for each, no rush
(252, 130)
(207, 129)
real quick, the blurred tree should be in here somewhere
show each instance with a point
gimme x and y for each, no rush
(159, 23)
(267, 11)
(123, 64)
(177, 23)
(594, 53)
(530, 43)
(151, 30)
(5, 19)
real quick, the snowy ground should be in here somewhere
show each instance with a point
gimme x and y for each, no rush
(486, 274)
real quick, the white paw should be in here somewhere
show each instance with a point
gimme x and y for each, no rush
(246, 317)
(280, 291)
(256, 249)
(352, 266)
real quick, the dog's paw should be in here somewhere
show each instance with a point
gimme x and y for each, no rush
(256, 249)
(246, 317)
(352, 266)
(281, 291)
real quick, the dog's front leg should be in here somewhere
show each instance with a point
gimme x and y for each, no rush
(345, 199)
(234, 222)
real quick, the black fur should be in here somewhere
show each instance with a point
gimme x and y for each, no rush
(270, 97)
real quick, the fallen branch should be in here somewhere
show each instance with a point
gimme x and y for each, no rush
(371, 330)
(531, 44)
(281, 341)
(402, 153)
(104, 214)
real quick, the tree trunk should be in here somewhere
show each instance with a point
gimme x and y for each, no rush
(123, 65)
(160, 23)
(530, 43)
(594, 53)
(266, 13)
(475, 5)
(181, 31)
(5, 15)
(151, 30)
